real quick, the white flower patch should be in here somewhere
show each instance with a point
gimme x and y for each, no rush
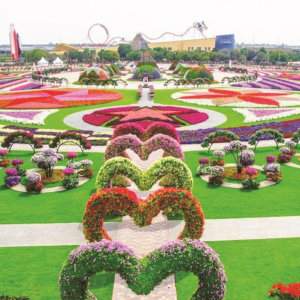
(36, 116)
(264, 114)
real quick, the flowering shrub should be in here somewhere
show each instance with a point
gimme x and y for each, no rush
(236, 148)
(3, 161)
(119, 145)
(285, 155)
(12, 178)
(83, 167)
(218, 136)
(71, 178)
(126, 202)
(21, 137)
(70, 136)
(218, 158)
(270, 159)
(216, 175)
(34, 182)
(247, 158)
(292, 146)
(17, 164)
(273, 172)
(144, 134)
(181, 174)
(265, 134)
(285, 291)
(46, 160)
(250, 183)
(203, 167)
(143, 275)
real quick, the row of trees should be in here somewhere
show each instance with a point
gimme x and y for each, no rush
(125, 52)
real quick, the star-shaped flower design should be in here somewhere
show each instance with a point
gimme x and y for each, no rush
(223, 97)
(145, 114)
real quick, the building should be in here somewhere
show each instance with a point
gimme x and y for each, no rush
(226, 41)
(205, 44)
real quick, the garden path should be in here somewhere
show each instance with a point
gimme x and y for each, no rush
(62, 234)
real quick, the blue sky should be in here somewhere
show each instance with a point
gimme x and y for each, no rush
(68, 21)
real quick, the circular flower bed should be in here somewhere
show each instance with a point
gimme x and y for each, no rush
(58, 177)
(232, 174)
(103, 120)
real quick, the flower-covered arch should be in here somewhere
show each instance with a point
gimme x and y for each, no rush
(119, 145)
(168, 166)
(126, 202)
(143, 275)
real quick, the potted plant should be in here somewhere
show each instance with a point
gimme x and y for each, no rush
(71, 178)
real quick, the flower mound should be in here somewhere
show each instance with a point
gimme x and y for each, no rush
(126, 202)
(143, 275)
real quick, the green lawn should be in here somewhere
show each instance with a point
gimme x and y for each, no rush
(251, 266)
(68, 206)
(56, 120)
(278, 200)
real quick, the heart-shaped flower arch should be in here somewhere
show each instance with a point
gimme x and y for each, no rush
(179, 172)
(119, 145)
(126, 202)
(143, 275)
(144, 134)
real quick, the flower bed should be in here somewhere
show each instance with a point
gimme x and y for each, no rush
(56, 98)
(26, 117)
(285, 291)
(239, 98)
(119, 145)
(166, 167)
(143, 275)
(126, 202)
(145, 116)
(287, 128)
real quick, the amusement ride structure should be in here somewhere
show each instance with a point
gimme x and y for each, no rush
(109, 41)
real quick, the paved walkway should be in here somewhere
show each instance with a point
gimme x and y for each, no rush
(61, 234)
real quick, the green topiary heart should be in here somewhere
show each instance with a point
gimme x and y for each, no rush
(143, 275)
(181, 175)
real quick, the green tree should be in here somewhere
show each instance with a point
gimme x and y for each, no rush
(123, 50)
(134, 55)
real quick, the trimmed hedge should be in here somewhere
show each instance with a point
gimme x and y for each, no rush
(144, 134)
(166, 167)
(143, 275)
(126, 202)
(119, 145)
